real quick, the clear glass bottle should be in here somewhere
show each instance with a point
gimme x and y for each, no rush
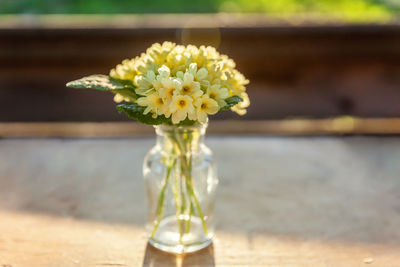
(181, 181)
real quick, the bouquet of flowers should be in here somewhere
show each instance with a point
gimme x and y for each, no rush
(175, 86)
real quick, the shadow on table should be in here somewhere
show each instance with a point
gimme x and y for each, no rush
(155, 257)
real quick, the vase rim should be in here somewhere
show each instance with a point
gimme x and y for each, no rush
(164, 127)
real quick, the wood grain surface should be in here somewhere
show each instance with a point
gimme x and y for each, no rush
(295, 127)
(281, 202)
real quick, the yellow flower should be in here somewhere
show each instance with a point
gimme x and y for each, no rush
(163, 72)
(168, 87)
(214, 74)
(240, 108)
(205, 105)
(189, 86)
(144, 63)
(235, 81)
(181, 107)
(125, 70)
(159, 52)
(200, 75)
(145, 83)
(178, 59)
(218, 93)
(151, 82)
(153, 103)
(197, 55)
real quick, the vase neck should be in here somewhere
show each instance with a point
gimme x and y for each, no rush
(184, 139)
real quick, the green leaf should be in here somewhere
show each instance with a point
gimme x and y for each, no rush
(106, 83)
(125, 83)
(98, 82)
(134, 111)
(231, 101)
(185, 122)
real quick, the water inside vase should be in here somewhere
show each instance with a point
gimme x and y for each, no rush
(170, 238)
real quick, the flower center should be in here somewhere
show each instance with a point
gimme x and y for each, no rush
(160, 101)
(182, 103)
(213, 96)
(203, 106)
(186, 89)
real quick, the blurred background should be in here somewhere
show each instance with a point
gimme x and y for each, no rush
(327, 66)
(353, 10)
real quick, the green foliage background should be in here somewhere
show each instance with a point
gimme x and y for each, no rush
(348, 10)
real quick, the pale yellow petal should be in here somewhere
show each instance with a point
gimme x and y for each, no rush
(178, 116)
(142, 101)
(164, 71)
(202, 74)
(192, 115)
(212, 107)
(192, 69)
(187, 78)
(118, 98)
(202, 116)
(147, 110)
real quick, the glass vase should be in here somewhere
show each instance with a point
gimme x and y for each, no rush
(180, 178)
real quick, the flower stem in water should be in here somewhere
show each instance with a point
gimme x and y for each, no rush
(175, 190)
(161, 198)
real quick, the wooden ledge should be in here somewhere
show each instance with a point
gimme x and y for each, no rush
(340, 125)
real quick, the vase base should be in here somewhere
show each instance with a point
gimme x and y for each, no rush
(180, 249)
(169, 239)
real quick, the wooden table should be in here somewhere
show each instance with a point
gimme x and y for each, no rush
(282, 201)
